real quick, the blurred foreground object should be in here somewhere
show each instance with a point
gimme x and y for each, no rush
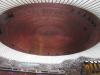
(79, 66)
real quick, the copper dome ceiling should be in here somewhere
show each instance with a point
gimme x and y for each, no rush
(49, 29)
(31, 28)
